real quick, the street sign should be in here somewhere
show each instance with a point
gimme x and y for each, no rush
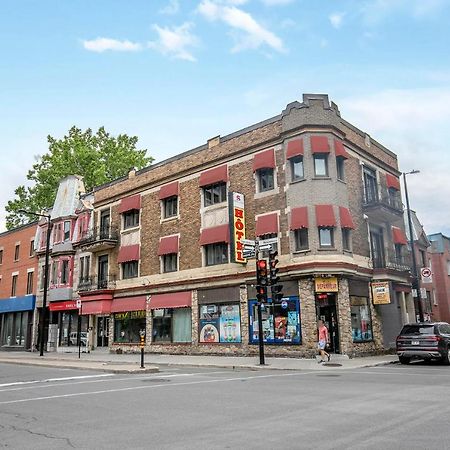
(78, 303)
(249, 255)
(249, 248)
(265, 247)
(423, 293)
(426, 274)
(248, 242)
(268, 241)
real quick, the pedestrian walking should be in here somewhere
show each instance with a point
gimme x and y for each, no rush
(324, 338)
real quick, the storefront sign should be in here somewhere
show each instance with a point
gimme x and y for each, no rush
(237, 219)
(329, 284)
(130, 315)
(62, 306)
(380, 293)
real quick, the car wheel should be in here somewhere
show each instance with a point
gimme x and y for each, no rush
(404, 359)
(446, 357)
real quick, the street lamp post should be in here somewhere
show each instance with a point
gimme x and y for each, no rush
(415, 280)
(44, 299)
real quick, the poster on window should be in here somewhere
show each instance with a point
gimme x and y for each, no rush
(230, 324)
(209, 324)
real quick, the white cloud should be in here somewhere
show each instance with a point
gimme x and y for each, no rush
(171, 8)
(336, 19)
(175, 42)
(277, 2)
(249, 33)
(100, 45)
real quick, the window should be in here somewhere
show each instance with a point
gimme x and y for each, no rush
(30, 283)
(170, 206)
(346, 239)
(131, 219)
(66, 230)
(393, 197)
(170, 262)
(57, 233)
(1, 256)
(65, 271)
(219, 323)
(423, 258)
(399, 253)
(361, 321)
(216, 254)
(448, 267)
(301, 239)
(215, 193)
(377, 248)
(326, 237)
(320, 164)
(297, 172)
(32, 247)
(129, 269)
(265, 179)
(16, 252)
(370, 185)
(172, 325)
(13, 285)
(54, 279)
(428, 306)
(42, 280)
(340, 168)
(85, 263)
(127, 326)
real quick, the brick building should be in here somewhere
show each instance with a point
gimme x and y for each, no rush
(18, 270)
(162, 250)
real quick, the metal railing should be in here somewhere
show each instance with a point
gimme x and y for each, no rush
(95, 283)
(402, 264)
(100, 234)
(390, 201)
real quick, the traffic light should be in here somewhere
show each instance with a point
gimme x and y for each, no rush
(261, 280)
(276, 287)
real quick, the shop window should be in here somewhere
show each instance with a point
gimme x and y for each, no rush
(170, 206)
(265, 179)
(131, 219)
(361, 320)
(219, 323)
(170, 262)
(13, 285)
(66, 230)
(16, 252)
(321, 164)
(297, 170)
(340, 168)
(301, 239)
(326, 237)
(31, 247)
(14, 328)
(281, 321)
(127, 326)
(172, 325)
(64, 271)
(346, 239)
(215, 193)
(30, 283)
(216, 254)
(129, 269)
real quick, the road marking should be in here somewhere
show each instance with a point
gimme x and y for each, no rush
(49, 380)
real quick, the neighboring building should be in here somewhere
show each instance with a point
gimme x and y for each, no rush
(440, 264)
(162, 252)
(18, 279)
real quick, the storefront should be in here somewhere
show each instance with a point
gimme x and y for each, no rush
(64, 319)
(16, 315)
(98, 307)
(129, 315)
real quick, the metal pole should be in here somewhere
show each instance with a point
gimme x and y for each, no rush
(260, 327)
(415, 281)
(44, 299)
(79, 331)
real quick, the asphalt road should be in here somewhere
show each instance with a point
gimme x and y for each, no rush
(388, 407)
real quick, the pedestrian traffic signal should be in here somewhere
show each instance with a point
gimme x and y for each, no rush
(275, 285)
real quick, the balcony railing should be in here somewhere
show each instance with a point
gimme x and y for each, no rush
(99, 235)
(95, 283)
(386, 201)
(402, 264)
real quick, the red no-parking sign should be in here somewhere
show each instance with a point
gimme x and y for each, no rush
(426, 275)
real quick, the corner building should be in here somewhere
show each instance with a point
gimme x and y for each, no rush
(165, 252)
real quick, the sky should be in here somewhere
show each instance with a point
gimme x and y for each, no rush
(178, 72)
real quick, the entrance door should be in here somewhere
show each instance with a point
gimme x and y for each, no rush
(103, 271)
(102, 331)
(326, 311)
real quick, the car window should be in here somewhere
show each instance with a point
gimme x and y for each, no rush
(416, 329)
(444, 328)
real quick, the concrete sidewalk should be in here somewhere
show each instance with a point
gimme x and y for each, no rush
(130, 363)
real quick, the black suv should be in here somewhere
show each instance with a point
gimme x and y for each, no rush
(426, 340)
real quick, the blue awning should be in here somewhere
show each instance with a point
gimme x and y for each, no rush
(25, 303)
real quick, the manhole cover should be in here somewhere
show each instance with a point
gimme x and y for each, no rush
(332, 364)
(156, 380)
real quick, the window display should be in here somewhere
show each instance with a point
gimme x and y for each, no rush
(281, 321)
(219, 323)
(127, 326)
(361, 320)
(172, 325)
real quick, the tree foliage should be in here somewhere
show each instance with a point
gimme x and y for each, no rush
(98, 158)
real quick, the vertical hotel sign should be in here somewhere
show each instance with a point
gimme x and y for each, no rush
(237, 228)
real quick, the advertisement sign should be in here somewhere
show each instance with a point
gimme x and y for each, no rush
(209, 324)
(237, 228)
(380, 293)
(230, 324)
(328, 284)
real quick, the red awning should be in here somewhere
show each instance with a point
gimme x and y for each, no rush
(264, 160)
(169, 190)
(129, 304)
(325, 216)
(167, 245)
(129, 253)
(213, 176)
(62, 306)
(96, 307)
(299, 218)
(320, 144)
(398, 235)
(215, 234)
(392, 182)
(346, 218)
(172, 300)
(129, 203)
(339, 149)
(267, 224)
(294, 148)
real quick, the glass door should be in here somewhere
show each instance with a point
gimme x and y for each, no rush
(105, 219)
(326, 311)
(377, 248)
(102, 331)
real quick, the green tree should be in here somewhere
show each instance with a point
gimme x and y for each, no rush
(98, 158)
